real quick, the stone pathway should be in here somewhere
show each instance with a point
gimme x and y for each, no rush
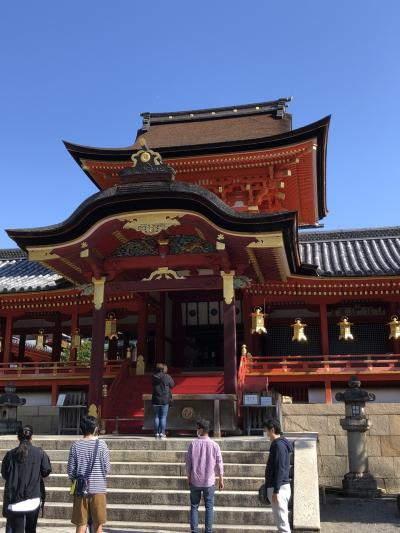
(360, 516)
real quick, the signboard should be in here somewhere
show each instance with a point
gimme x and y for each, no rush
(266, 400)
(250, 399)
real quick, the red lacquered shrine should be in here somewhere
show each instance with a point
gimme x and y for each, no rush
(209, 215)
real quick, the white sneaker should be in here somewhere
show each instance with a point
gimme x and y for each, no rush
(157, 436)
(163, 437)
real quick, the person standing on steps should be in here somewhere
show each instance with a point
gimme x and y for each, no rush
(24, 468)
(203, 460)
(277, 472)
(161, 399)
(89, 459)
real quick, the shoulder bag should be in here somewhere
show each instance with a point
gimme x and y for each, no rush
(80, 485)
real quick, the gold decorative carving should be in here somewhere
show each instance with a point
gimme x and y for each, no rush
(151, 223)
(120, 236)
(187, 413)
(98, 293)
(41, 254)
(270, 240)
(228, 287)
(163, 273)
(220, 244)
(145, 156)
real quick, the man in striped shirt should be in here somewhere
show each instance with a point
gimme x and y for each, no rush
(81, 454)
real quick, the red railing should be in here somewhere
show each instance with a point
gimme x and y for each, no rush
(8, 370)
(317, 364)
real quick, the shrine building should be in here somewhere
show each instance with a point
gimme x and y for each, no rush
(202, 249)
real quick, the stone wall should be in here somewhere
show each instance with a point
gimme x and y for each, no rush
(383, 440)
(43, 418)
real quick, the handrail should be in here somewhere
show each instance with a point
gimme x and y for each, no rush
(317, 364)
(54, 367)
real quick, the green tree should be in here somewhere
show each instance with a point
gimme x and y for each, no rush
(83, 355)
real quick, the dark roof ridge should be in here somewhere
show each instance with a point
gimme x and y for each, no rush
(350, 234)
(272, 106)
(8, 254)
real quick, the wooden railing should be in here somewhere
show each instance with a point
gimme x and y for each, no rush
(317, 364)
(8, 370)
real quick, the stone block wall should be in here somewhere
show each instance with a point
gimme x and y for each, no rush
(43, 418)
(383, 440)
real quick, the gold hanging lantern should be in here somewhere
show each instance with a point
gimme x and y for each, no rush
(111, 327)
(76, 339)
(298, 331)
(258, 321)
(40, 340)
(394, 327)
(345, 330)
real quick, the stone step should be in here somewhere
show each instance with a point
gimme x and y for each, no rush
(51, 525)
(239, 516)
(255, 444)
(159, 482)
(169, 469)
(157, 496)
(149, 456)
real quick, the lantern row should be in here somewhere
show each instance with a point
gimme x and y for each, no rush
(345, 334)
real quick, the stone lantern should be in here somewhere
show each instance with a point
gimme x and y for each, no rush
(9, 403)
(358, 482)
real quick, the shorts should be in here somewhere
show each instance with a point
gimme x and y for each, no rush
(94, 505)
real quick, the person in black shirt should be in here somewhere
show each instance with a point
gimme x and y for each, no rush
(161, 399)
(24, 468)
(277, 480)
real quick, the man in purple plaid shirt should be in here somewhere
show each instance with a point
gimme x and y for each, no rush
(203, 460)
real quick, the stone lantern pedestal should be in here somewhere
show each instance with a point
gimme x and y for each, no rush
(358, 482)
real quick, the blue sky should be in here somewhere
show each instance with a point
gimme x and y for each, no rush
(84, 70)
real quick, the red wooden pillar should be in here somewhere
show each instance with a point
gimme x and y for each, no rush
(74, 326)
(57, 339)
(230, 349)
(7, 355)
(54, 393)
(177, 351)
(142, 329)
(323, 319)
(112, 349)
(21, 347)
(160, 331)
(98, 334)
(328, 391)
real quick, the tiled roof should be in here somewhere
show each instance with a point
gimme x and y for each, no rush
(363, 252)
(17, 274)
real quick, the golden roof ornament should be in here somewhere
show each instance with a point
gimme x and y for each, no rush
(147, 165)
(394, 328)
(298, 331)
(345, 329)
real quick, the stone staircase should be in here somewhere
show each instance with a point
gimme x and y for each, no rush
(148, 489)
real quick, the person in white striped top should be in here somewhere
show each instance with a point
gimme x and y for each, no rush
(92, 505)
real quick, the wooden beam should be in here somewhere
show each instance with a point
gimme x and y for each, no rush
(171, 261)
(206, 283)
